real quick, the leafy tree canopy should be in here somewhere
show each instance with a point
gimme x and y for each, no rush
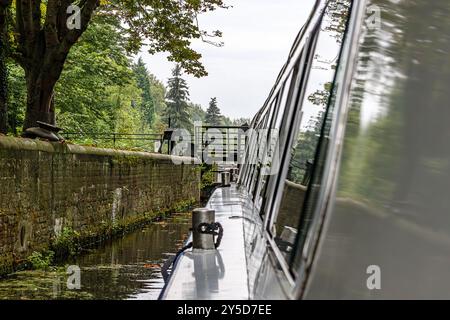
(43, 32)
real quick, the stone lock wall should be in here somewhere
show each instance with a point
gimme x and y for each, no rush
(46, 188)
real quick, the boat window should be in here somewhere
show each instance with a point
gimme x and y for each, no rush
(256, 163)
(263, 145)
(250, 155)
(272, 140)
(293, 217)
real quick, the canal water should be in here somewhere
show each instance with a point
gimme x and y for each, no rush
(123, 268)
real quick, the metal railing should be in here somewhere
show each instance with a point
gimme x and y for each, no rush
(229, 149)
(146, 141)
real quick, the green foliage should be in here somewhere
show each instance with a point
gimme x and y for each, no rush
(67, 243)
(321, 97)
(308, 139)
(41, 260)
(99, 89)
(165, 26)
(241, 121)
(17, 98)
(168, 26)
(177, 101)
(153, 103)
(196, 112)
(39, 40)
(102, 91)
(3, 73)
(226, 121)
(184, 206)
(98, 64)
(147, 104)
(207, 175)
(128, 117)
(337, 12)
(213, 116)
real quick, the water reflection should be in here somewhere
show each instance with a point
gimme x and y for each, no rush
(396, 150)
(125, 268)
(393, 204)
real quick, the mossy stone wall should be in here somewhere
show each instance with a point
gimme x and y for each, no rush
(48, 187)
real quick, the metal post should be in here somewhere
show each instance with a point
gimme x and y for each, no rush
(225, 178)
(201, 240)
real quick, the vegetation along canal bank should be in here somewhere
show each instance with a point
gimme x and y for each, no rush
(126, 267)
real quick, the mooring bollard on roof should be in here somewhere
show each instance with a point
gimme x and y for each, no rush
(44, 131)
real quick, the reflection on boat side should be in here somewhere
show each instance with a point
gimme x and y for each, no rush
(200, 274)
(208, 270)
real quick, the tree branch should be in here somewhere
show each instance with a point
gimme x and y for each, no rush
(20, 29)
(27, 25)
(62, 19)
(36, 16)
(72, 36)
(51, 34)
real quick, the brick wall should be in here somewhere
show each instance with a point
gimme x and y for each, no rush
(46, 187)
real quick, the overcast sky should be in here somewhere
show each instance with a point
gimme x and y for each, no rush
(258, 35)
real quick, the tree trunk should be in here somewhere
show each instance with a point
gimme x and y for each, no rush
(40, 95)
(43, 48)
(3, 73)
(41, 76)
